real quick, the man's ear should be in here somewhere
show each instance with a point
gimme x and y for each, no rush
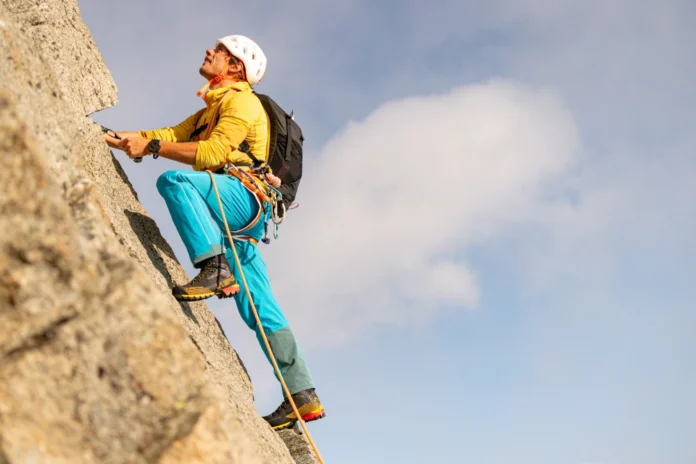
(235, 68)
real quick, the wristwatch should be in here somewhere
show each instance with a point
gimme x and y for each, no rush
(154, 147)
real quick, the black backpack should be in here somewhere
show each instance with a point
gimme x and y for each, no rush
(285, 150)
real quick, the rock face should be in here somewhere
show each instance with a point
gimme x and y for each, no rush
(98, 363)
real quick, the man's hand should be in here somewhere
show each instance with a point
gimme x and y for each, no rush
(273, 180)
(135, 147)
(111, 140)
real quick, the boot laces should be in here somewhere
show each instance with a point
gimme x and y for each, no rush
(286, 402)
(207, 268)
(282, 406)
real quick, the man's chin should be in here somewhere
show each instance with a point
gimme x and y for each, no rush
(202, 71)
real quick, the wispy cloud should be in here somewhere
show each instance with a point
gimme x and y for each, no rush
(390, 206)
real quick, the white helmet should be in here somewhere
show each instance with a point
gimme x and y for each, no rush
(249, 53)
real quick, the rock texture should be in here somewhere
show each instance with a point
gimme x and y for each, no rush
(299, 448)
(98, 363)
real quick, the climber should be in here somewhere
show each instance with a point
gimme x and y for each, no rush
(210, 140)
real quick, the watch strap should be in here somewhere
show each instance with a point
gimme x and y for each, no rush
(154, 147)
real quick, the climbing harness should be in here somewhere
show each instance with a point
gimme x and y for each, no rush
(247, 181)
(272, 201)
(231, 238)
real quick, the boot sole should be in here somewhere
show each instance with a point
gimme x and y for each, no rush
(226, 292)
(312, 416)
(203, 296)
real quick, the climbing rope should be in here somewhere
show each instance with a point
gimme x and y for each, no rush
(258, 322)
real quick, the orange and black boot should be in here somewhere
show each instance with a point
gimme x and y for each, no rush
(215, 278)
(308, 405)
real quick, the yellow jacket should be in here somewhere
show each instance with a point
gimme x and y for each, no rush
(241, 117)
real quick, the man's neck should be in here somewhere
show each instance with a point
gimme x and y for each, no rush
(223, 83)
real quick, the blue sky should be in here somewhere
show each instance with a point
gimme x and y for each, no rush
(493, 258)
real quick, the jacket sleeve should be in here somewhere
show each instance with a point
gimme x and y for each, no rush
(236, 118)
(179, 133)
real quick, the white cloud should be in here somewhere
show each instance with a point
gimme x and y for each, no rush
(395, 198)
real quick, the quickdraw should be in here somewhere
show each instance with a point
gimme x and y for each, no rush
(276, 205)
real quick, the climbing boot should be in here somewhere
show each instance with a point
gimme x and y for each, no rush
(215, 278)
(308, 405)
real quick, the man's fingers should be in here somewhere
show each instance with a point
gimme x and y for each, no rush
(273, 180)
(130, 146)
(127, 146)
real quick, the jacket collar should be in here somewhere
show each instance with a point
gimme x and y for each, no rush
(214, 96)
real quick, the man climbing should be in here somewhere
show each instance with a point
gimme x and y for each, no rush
(218, 139)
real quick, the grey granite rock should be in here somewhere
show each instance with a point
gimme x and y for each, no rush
(98, 363)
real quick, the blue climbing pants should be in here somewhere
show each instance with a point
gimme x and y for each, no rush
(191, 200)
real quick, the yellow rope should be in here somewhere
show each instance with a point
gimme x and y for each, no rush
(258, 321)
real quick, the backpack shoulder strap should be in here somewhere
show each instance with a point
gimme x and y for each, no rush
(197, 130)
(244, 146)
(288, 128)
(268, 106)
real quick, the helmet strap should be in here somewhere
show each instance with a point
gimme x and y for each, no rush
(212, 81)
